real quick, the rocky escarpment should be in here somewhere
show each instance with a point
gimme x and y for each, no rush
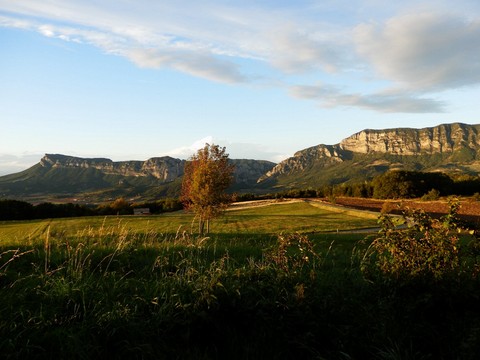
(304, 159)
(460, 141)
(440, 139)
(100, 179)
(164, 168)
(247, 171)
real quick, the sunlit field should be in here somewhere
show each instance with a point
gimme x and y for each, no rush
(280, 281)
(273, 219)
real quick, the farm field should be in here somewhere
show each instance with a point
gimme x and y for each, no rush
(274, 280)
(292, 216)
(469, 207)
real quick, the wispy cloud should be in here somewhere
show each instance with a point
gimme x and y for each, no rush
(10, 164)
(386, 102)
(423, 51)
(200, 64)
(417, 51)
(234, 149)
(185, 152)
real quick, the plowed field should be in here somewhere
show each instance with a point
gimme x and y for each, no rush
(469, 208)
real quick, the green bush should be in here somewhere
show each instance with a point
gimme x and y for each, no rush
(432, 195)
(426, 247)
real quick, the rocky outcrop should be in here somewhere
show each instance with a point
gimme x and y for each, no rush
(248, 171)
(165, 169)
(302, 160)
(442, 139)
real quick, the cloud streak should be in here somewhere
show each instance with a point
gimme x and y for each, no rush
(386, 102)
(414, 54)
(10, 164)
(423, 51)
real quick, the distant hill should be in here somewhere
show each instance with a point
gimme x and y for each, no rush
(451, 148)
(62, 177)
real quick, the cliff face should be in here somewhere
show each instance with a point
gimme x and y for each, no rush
(163, 168)
(445, 139)
(302, 160)
(439, 139)
(248, 171)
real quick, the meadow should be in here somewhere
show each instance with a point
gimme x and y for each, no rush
(273, 282)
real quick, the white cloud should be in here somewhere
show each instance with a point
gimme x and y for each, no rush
(185, 152)
(194, 63)
(235, 150)
(417, 52)
(301, 50)
(238, 150)
(386, 102)
(10, 164)
(423, 51)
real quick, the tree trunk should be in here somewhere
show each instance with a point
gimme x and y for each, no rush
(201, 226)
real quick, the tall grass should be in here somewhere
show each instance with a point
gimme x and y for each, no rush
(110, 291)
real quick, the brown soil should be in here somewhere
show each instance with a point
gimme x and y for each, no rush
(469, 208)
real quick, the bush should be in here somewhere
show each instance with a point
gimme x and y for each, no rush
(292, 253)
(427, 247)
(432, 195)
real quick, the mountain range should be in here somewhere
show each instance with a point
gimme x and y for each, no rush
(451, 148)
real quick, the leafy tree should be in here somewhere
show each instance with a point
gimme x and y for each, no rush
(15, 210)
(410, 184)
(207, 175)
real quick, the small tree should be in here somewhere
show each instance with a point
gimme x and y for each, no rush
(207, 175)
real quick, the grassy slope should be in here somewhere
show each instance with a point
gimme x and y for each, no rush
(363, 167)
(90, 183)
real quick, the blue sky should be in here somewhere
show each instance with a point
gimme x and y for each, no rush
(130, 80)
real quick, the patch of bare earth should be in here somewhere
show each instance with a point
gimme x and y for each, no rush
(469, 208)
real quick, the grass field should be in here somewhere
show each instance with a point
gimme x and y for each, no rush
(269, 282)
(282, 217)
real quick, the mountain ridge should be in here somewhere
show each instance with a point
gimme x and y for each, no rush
(447, 143)
(451, 148)
(101, 179)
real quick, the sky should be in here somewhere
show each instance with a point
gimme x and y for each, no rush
(135, 79)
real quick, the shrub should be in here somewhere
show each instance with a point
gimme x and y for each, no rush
(427, 247)
(432, 195)
(292, 253)
(389, 207)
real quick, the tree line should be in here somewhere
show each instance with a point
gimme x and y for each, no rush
(22, 210)
(398, 184)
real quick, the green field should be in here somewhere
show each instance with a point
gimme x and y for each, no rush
(275, 282)
(273, 219)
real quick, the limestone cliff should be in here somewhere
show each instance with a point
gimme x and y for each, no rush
(440, 139)
(164, 168)
(456, 142)
(302, 160)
